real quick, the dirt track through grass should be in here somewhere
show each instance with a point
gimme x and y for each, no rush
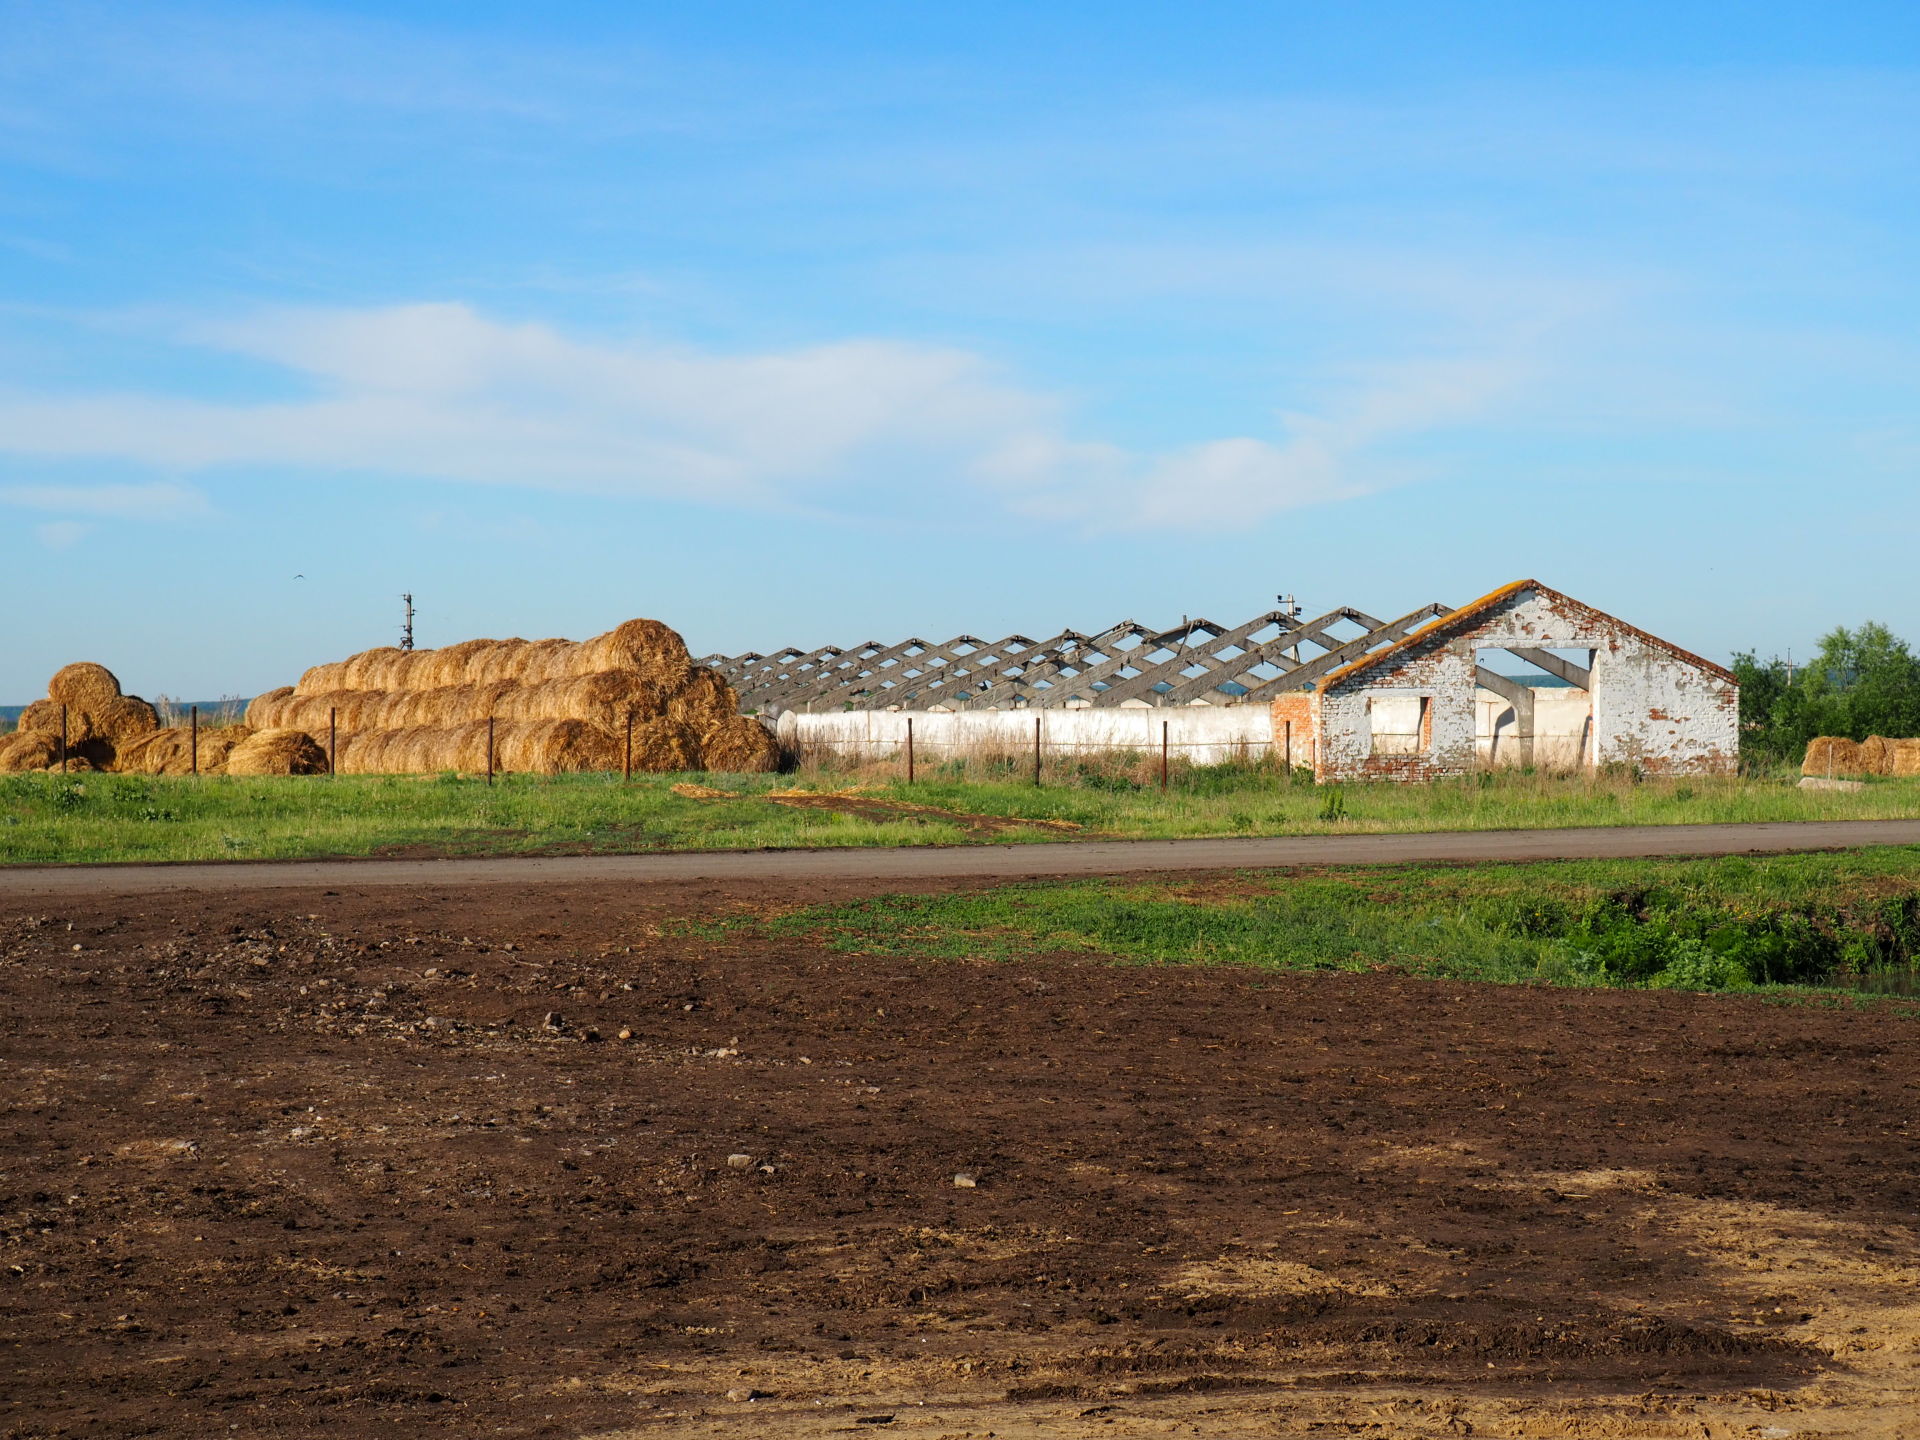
(920, 863)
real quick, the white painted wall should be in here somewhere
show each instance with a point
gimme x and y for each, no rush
(1651, 707)
(1204, 734)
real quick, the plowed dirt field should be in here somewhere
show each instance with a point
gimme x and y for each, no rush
(489, 1161)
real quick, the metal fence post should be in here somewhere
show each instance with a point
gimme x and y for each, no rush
(489, 749)
(333, 739)
(1036, 750)
(1163, 754)
(63, 739)
(193, 740)
(626, 763)
(909, 750)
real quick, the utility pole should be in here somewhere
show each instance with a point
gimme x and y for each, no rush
(406, 628)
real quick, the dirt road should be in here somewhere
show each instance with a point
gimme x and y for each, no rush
(461, 1162)
(1005, 862)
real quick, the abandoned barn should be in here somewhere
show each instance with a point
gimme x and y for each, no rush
(1524, 677)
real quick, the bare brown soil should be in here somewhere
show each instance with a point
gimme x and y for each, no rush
(457, 1162)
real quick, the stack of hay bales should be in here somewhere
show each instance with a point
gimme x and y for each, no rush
(1876, 755)
(556, 705)
(171, 752)
(99, 721)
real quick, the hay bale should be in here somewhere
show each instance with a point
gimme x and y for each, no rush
(741, 745)
(528, 747)
(1875, 756)
(170, 752)
(26, 750)
(653, 651)
(662, 747)
(557, 706)
(122, 719)
(1905, 758)
(1831, 755)
(83, 685)
(263, 706)
(44, 716)
(277, 752)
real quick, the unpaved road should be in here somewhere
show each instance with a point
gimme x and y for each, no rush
(1003, 862)
(454, 1163)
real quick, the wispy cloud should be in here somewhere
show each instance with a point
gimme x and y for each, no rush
(60, 534)
(160, 500)
(439, 391)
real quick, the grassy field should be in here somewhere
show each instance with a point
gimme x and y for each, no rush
(95, 817)
(1781, 922)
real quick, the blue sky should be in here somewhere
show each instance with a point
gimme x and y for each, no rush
(809, 324)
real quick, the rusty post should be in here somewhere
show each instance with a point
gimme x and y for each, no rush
(626, 762)
(1289, 747)
(63, 739)
(193, 740)
(1163, 755)
(489, 749)
(909, 750)
(1036, 749)
(333, 739)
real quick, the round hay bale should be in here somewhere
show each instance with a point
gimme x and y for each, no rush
(83, 685)
(705, 701)
(122, 719)
(494, 660)
(44, 716)
(26, 750)
(1831, 754)
(653, 651)
(1905, 757)
(170, 752)
(264, 706)
(740, 745)
(663, 747)
(277, 752)
(1875, 756)
(364, 671)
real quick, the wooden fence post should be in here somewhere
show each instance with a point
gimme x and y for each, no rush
(193, 739)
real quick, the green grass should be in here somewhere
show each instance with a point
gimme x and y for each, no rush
(97, 817)
(1782, 924)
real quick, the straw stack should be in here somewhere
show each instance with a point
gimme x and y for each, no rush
(99, 720)
(1875, 755)
(556, 705)
(26, 750)
(277, 752)
(170, 752)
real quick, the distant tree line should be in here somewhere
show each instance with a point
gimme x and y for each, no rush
(1862, 682)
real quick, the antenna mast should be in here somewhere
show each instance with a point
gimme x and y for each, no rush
(406, 628)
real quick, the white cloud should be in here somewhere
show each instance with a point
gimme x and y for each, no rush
(439, 391)
(160, 500)
(61, 534)
(1323, 458)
